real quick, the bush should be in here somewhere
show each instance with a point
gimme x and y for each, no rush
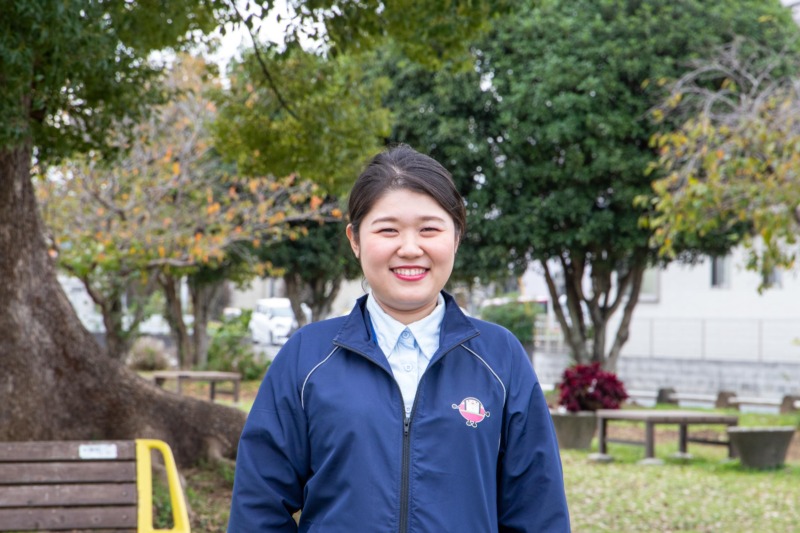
(517, 317)
(148, 353)
(230, 349)
(589, 388)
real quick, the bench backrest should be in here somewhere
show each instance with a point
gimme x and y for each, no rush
(66, 485)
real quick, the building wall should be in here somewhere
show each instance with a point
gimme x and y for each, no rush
(760, 379)
(694, 337)
(687, 318)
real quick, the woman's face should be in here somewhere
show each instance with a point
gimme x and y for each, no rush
(407, 245)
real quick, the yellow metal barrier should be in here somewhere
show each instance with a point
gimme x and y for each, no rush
(144, 486)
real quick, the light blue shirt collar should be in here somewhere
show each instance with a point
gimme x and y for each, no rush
(425, 331)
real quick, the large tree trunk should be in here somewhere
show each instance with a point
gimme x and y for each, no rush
(56, 382)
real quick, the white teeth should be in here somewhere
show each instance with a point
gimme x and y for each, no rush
(409, 271)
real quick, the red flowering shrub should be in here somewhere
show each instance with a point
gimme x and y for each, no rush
(589, 388)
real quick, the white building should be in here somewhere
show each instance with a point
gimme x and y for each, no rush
(705, 328)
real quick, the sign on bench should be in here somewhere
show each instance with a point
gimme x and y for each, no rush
(67, 485)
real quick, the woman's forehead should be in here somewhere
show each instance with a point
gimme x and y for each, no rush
(403, 203)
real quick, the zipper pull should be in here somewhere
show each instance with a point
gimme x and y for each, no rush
(406, 426)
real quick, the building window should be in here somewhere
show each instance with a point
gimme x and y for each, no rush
(649, 289)
(720, 272)
(772, 279)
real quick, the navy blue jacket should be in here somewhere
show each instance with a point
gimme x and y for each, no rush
(328, 434)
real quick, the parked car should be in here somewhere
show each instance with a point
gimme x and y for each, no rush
(273, 320)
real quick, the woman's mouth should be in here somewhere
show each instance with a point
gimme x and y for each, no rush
(410, 273)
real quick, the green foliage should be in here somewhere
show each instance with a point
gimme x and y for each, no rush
(732, 166)
(325, 120)
(548, 137)
(431, 32)
(70, 69)
(517, 317)
(162, 504)
(230, 349)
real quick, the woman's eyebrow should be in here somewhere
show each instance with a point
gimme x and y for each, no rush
(426, 218)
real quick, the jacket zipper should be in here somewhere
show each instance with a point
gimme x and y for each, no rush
(405, 472)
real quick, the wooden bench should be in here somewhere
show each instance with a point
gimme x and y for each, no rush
(212, 377)
(69, 485)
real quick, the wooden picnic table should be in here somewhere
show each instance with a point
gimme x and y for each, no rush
(212, 377)
(651, 418)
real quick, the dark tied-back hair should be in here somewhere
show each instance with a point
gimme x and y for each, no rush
(402, 167)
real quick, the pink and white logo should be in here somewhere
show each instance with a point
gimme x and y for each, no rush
(472, 410)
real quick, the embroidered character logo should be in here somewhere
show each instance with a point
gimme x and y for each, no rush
(472, 410)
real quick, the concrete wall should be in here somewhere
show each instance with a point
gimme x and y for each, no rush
(764, 379)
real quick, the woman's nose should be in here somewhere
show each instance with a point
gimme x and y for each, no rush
(409, 247)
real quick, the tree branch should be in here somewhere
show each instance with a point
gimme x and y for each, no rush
(284, 104)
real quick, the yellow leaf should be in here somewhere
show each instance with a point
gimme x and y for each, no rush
(316, 201)
(337, 213)
(176, 168)
(277, 218)
(161, 252)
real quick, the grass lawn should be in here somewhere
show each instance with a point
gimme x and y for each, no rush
(708, 493)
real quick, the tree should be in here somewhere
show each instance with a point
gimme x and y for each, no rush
(733, 164)
(70, 71)
(314, 265)
(557, 140)
(66, 78)
(333, 123)
(165, 210)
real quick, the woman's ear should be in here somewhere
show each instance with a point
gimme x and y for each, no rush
(351, 236)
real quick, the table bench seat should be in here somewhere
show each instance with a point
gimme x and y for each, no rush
(212, 377)
(651, 418)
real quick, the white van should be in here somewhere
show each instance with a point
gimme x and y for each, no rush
(273, 320)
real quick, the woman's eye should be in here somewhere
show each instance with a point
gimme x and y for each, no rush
(430, 230)
(386, 230)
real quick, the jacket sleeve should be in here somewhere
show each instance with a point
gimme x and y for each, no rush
(531, 497)
(272, 462)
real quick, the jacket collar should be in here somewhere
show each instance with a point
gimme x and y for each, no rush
(357, 335)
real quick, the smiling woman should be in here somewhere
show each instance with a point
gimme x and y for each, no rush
(406, 415)
(407, 246)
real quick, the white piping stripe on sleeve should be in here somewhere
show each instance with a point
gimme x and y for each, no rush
(303, 390)
(482, 360)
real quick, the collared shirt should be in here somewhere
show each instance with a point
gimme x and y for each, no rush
(407, 348)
